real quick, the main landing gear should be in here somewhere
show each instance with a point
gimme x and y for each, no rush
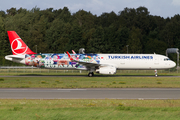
(155, 73)
(91, 74)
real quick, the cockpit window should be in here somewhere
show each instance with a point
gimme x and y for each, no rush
(166, 59)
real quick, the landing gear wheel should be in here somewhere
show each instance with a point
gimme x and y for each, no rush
(156, 73)
(91, 74)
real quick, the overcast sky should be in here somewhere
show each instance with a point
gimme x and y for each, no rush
(163, 8)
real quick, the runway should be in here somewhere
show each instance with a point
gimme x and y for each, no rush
(134, 93)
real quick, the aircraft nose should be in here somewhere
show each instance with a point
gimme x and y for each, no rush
(173, 64)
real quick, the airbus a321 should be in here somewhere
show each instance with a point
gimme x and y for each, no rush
(99, 63)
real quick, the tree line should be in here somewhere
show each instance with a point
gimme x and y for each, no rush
(57, 31)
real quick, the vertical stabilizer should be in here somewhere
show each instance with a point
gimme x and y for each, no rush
(18, 46)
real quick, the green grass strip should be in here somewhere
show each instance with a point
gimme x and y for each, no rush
(89, 82)
(89, 109)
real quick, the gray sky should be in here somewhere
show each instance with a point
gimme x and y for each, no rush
(163, 8)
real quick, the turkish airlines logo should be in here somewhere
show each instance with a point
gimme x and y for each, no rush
(18, 47)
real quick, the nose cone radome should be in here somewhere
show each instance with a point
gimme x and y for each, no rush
(173, 64)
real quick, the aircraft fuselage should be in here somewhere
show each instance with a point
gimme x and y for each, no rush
(120, 61)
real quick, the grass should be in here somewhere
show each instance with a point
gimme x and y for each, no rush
(34, 71)
(98, 81)
(88, 82)
(89, 109)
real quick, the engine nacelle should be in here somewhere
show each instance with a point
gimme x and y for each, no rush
(106, 70)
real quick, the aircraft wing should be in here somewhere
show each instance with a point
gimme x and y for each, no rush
(88, 65)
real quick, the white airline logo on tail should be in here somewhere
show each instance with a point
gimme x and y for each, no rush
(18, 47)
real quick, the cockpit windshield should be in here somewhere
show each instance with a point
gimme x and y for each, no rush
(166, 59)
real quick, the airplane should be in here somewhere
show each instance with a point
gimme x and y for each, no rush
(99, 63)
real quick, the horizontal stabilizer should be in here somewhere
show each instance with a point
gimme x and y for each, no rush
(16, 58)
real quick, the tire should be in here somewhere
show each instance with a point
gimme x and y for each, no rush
(91, 74)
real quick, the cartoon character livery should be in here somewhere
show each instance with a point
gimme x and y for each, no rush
(99, 63)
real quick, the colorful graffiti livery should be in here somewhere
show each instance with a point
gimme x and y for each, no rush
(59, 60)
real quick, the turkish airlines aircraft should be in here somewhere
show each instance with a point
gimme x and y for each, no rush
(99, 63)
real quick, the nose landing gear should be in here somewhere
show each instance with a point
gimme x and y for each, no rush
(156, 74)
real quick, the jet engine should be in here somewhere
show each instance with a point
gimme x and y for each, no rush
(106, 70)
(81, 51)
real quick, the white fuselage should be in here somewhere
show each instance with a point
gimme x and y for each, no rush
(137, 61)
(119, 61)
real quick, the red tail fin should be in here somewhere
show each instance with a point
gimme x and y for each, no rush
(18, 46)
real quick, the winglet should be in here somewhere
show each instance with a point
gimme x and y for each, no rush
(69, 56)
(73, 52)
